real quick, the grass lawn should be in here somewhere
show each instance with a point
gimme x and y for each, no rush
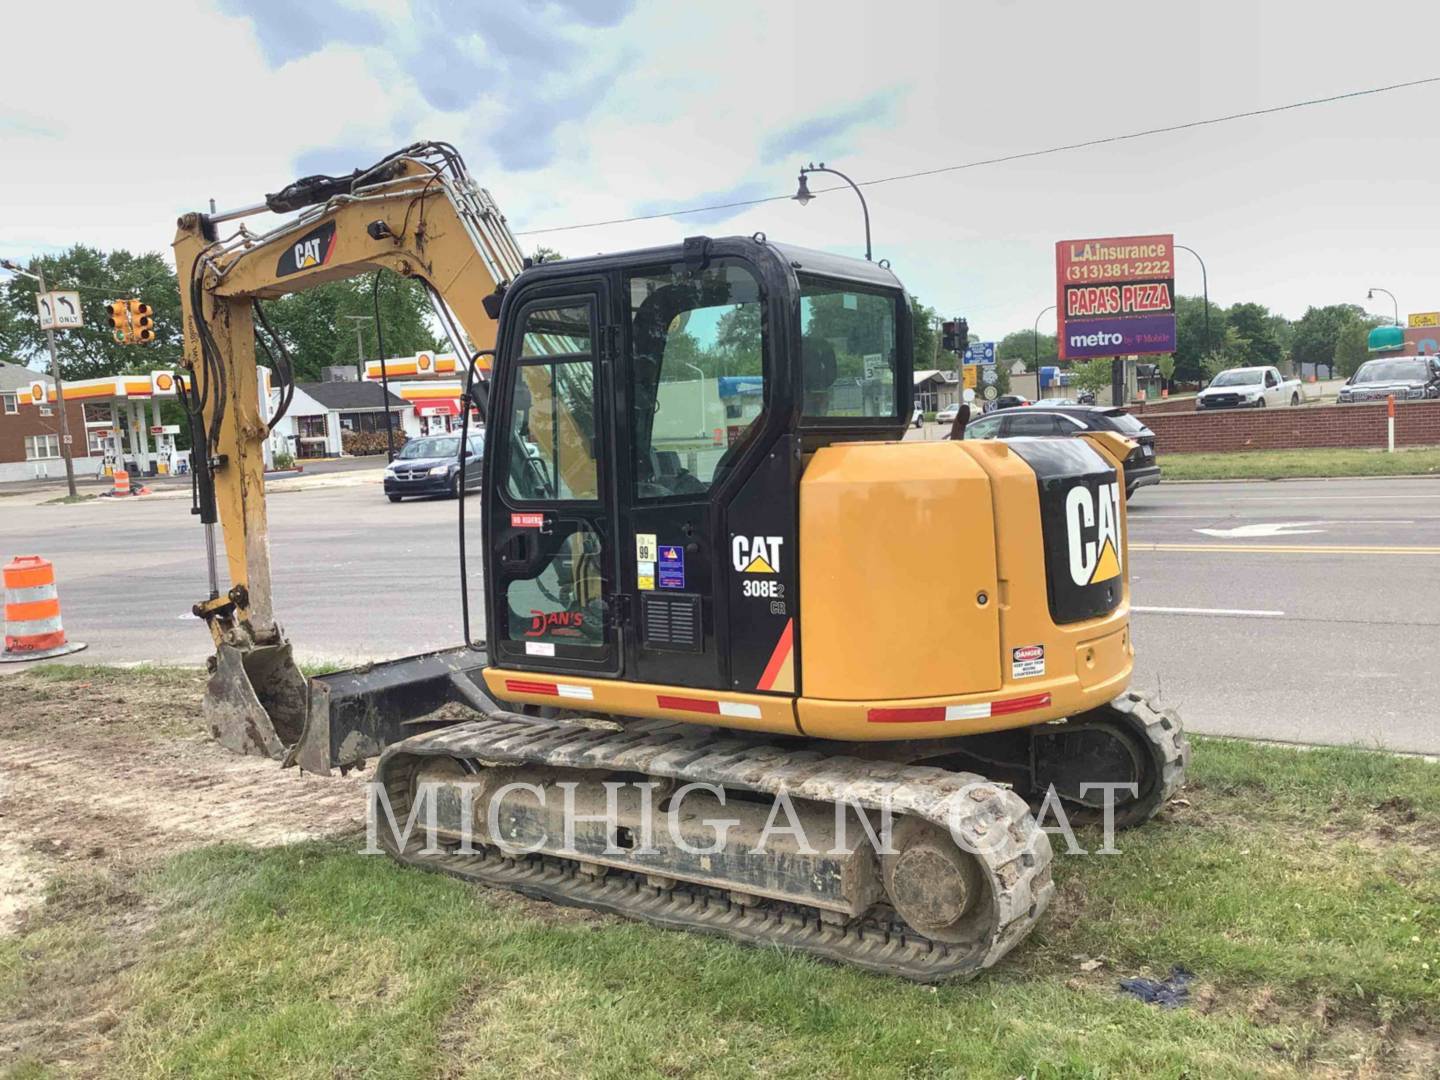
(1301, 888)
(1274, 464)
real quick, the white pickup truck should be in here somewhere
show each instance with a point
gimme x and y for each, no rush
(1248, 388)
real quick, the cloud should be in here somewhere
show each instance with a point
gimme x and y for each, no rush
(287, 30)
(740, 193)
(818, 136)
(337, 160)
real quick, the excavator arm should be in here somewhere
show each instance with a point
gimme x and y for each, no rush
(416, 213)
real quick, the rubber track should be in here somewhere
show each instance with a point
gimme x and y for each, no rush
(995, 822)
(1164, 735)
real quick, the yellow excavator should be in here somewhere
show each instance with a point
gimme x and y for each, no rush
(716, 583)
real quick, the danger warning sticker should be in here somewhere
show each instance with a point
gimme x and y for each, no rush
(1027, 661)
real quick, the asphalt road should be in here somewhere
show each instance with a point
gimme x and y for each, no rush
(1316, 622)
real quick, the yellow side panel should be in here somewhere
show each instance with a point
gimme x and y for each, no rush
(897, 573)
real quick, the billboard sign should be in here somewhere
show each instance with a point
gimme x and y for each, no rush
(1115, 296)
(1424, 318)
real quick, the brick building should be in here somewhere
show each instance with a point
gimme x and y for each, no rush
(30, 434)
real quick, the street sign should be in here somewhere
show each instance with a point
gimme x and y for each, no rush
(59, 310)
(991, 392)
(982, 352)
(1115, 296)
(989, 376)
(969, 373)
(165, 429)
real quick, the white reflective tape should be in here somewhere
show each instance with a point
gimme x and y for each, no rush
(736, 708)
(30, 595)
(968, 712)
(584, 693)
(32, 627)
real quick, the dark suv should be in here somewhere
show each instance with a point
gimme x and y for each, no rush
(1141, 469)
(431, 466)
(1411, 378)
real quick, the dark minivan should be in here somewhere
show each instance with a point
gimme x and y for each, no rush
(431, 466)
(1141, 468)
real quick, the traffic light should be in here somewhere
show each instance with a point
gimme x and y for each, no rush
(954, 335)
(119, 321)
(142, 321)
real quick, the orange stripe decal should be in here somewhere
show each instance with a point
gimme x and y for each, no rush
(779, 673)
(35, 609)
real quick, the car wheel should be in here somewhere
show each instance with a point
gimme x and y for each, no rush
(1294, 400)
(455, 486)
(393, 498)
(1260, 403)
(1130, 490)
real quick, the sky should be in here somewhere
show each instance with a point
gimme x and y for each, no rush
(576, 111)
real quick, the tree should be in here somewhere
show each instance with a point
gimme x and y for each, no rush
(1352, 346)
(1190, 342)
(1092, 375)
(543, 254)
(1021, 345)
(315, 329)
(1254, 342)
(90, 351)
(927, 339)
(1166, 364)
(1318, 331)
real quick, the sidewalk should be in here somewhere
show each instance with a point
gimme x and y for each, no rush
(356, 472)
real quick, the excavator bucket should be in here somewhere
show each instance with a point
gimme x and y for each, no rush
(257, 702)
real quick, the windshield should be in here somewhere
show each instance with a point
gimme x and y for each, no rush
(848, 348)
(1391, 371)
(1127, 423)
(1241, 377)
(431, 448)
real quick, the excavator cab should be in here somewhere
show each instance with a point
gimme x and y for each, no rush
(649, 419)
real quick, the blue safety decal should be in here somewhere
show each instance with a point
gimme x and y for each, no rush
(670, 568)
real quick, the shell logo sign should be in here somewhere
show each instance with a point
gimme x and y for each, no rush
(423, 361)
(164, 381)
(37, 392)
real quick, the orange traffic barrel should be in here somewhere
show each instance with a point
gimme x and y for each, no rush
(122, 483)
(32, 611)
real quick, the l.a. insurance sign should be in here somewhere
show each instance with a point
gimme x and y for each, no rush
(1115, 296)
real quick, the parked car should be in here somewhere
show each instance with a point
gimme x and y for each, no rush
(431, 466)
(1054, 402)
(1407, 377)
(1010, 401)
(1248, 388)
(948, 413)
(1141, 468)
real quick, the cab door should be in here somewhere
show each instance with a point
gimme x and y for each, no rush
(551, 575)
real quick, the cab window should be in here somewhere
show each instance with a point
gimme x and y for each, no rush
(552, 426)
(697, 371)
(847, 349)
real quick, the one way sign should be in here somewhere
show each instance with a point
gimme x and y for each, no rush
(59, 310)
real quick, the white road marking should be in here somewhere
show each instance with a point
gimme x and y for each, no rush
(1259, 528)
(1253, 613)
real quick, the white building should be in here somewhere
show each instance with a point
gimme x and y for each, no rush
(320, 414)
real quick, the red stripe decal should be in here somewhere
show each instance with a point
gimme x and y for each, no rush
(778, 657)
(1019, 704)
(688, 704)
(523, 686)
(927, 715)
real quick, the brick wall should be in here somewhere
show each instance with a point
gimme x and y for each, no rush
(1162, 405)
(28, 421)
(1416, 424)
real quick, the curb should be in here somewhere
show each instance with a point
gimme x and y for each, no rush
(1296, 479)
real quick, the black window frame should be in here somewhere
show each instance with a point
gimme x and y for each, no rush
(904, 346)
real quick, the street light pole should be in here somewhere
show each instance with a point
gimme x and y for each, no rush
(65, 453)
(1204, 289)
(1371, 296)
(802, 196)
(1035, 337)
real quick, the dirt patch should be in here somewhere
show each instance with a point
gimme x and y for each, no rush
(100, 777)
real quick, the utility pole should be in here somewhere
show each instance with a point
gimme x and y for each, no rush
(360, 321)
(39, 277)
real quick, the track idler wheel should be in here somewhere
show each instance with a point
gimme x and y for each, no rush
(931, 883)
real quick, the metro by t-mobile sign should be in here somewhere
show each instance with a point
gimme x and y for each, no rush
(1115, 296)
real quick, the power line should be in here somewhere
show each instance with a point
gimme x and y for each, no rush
(1169, 128)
